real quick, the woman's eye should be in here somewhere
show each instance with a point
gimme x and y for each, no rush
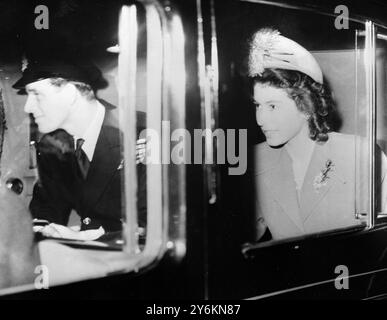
(272, 106)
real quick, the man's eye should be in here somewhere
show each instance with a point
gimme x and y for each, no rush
(257, 105)
(272, 106)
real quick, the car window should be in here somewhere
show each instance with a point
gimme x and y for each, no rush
(127, 44)
(334, 194)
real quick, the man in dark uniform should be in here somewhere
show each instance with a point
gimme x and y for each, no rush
(79, 155)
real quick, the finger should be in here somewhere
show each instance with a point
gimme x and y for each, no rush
(63, 231)
(58, 227)
(37, 228)
(49, 231)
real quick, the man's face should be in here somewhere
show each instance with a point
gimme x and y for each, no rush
(49, 104)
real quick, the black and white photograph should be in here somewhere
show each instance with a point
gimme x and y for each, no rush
(202, 154)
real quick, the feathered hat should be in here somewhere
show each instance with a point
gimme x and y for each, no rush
(269, 49)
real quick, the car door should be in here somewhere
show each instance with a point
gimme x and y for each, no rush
(336, 263)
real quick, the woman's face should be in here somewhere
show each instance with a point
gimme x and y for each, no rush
(277, 114)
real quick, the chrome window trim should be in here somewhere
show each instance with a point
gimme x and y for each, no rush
(127, 68)
(383, 37)
(370, 57)
(166, 227)
(155, 212)
(315, 284)
(174, 96)
(296, 241)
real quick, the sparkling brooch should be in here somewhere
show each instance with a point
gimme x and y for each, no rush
(321, 179)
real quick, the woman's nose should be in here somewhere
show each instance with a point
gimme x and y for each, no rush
(261, 116)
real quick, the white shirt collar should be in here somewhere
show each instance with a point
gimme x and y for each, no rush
(92, 132)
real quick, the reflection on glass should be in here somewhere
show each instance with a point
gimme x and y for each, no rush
(309, 148)
(79, 198)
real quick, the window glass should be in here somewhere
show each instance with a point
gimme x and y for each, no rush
(86, 223)
(82, 190)
(291, 189)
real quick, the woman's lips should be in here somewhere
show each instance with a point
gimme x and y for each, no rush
(269, 134)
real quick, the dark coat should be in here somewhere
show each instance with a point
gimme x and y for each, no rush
(97, 199)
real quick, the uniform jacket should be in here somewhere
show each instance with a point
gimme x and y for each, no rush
(334, 189)
(97, 200)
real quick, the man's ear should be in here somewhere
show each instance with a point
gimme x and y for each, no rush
(70, 90)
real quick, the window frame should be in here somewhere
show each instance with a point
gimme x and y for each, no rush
(166, 233)
(371, 137)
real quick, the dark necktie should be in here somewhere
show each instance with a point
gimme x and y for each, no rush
(83, 161)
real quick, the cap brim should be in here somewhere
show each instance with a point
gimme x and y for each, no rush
(87, 73)
(20, 84)
(29, 77)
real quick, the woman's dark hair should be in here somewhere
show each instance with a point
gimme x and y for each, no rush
(312, 98)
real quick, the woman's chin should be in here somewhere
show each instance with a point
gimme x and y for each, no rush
(275, 143)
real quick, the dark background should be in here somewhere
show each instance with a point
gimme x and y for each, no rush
(79, 27)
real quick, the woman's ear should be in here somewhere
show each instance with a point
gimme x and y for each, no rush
(306, 116)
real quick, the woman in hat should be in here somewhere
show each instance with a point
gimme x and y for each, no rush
(304, 173)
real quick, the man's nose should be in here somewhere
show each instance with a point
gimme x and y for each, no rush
(29, 105)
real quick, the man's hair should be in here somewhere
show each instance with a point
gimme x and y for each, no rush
(312, 98)
(85, 89)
